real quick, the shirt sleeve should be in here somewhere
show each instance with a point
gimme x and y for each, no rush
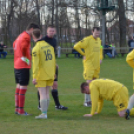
(100, 105)
(80, 45)
(130, 59)
(94, 98)
(25, 45)
(35, 60)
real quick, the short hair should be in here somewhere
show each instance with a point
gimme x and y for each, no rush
(130, 37)
(82, 86)
(96, 28)
(32, 25)
(51, 26)
(36, 33)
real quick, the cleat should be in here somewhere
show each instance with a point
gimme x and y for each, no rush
(24, 114)
(87, 104)
(61, 107)
(127, 115)
(41, 116)
(16, 112)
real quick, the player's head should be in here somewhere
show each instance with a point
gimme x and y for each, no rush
(51, 31)
(36, 34)
(131, 37)
(96, 32)
(85, 88)
(2, 43)
(30, 27)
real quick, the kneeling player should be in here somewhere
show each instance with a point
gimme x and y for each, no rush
(43, 70)
(111, 90)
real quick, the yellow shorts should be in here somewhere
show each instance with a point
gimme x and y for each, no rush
(120, 99)
(90, 73)
(44, 83)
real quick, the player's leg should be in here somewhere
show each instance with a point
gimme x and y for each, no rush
(17, 98)
(16, 91)
(43, 103)
(4, 54)
(54, 93)
(87, 101)
(47, 96)
(22, 93)
(121, 101)
(24, 75)
(38, 96)
(130, 106)
(88, 76)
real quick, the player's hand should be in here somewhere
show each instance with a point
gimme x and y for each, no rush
(100, 61)
(88, 115)
(84, 57)
(34, 81)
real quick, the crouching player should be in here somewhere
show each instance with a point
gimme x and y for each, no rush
(111, 90)
(43, 70)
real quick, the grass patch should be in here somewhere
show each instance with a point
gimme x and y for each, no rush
(72, 120)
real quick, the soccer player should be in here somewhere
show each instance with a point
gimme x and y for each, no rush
(130, 61)
(22, 65)
(106, 89)
(92, 58)
(43, 57)
(49, 38)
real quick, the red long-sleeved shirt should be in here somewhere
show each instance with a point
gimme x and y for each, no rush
(21, 48)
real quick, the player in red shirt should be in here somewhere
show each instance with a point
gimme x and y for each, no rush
(22, 65)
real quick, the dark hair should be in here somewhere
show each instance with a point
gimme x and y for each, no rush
(51, 26)
(32, 25)
(97, 28)
(36, 33)
(82, 86)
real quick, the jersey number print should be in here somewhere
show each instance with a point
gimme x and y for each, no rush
(48, 54)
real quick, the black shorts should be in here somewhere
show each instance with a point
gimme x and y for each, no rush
(56, 79)
(22, 76)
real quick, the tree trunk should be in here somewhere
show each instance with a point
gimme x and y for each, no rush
(122, 25)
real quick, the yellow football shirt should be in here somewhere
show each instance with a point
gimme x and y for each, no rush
(101, 89)
(91, 47)
(130, 61)
(43, 59)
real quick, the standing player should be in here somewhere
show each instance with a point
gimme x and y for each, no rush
(22, 65)
(130, 61)
(43, 70)
(92, 58)
(105, 89)
(49, 38)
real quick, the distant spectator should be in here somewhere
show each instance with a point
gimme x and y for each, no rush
(108, 50)
(114, 53)
(2, 52)
(131, 43)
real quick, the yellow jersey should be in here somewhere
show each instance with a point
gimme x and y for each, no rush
(91, 47)
(43, 58)
(101, 89)
(130, 61)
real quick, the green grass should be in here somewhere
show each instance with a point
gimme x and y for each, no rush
(72, 120)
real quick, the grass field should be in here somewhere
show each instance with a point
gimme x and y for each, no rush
(72, 120)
